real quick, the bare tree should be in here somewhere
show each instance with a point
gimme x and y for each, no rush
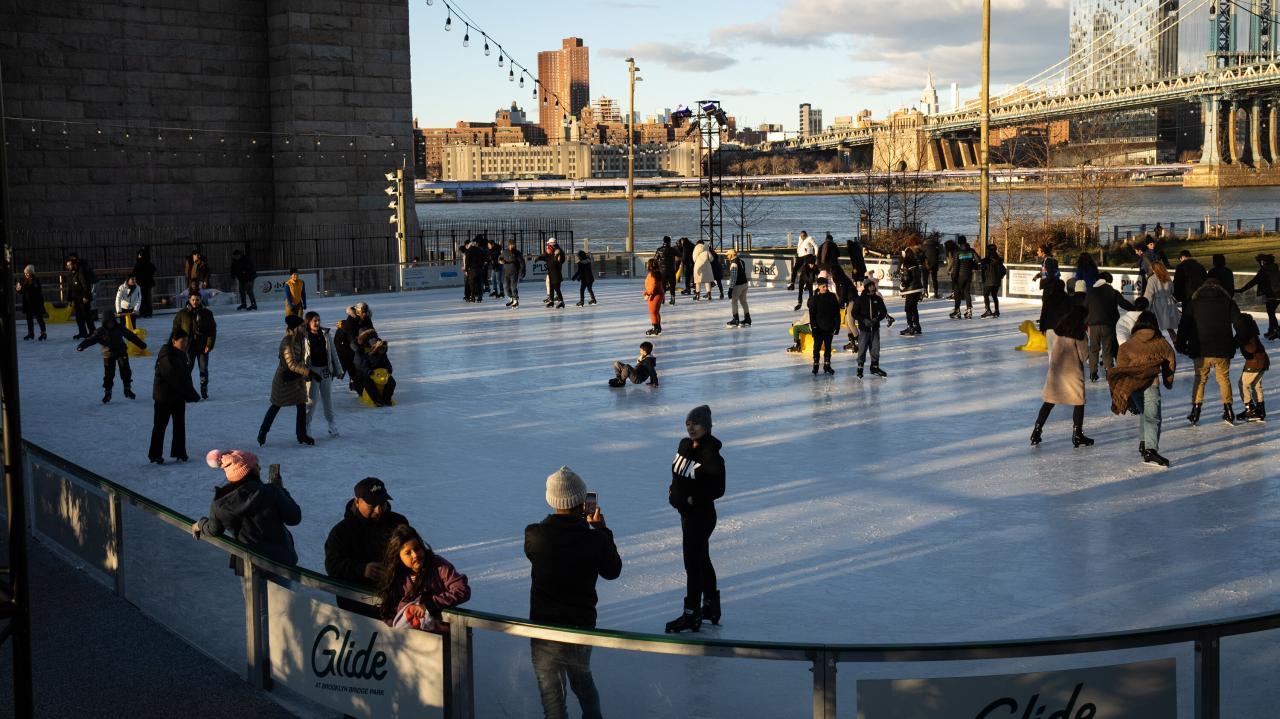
(745, 208)
(1088, 190)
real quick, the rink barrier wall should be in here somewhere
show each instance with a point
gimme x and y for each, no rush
(81, 516)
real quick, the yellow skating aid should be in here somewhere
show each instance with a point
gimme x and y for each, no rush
(1036, 341)
(806, 339)
(380, 377)
(58, 313)
(135, 350)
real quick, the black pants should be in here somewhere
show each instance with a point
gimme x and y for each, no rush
(795, 268)
(669, 284)
(1272, 324)
(84, 318)
(246, 290)
(145, 309)
(991, 296)
(686, 271)
(931, 277)
(176, 411)
(109, 371)
(475, 285)
(806, 285)
(1077, 414)
(33, 318)
(963, 288)
(583, 289)
(300, 423)
(821, 345)
(695, 530)
(556, 295)
(912, 307)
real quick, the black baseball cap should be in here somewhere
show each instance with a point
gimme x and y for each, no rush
(372, 490)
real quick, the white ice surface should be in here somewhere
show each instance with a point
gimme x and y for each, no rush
(899, 510)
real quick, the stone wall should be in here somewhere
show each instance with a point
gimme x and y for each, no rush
(184, 113)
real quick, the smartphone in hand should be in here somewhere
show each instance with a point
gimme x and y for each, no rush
(273, 475)
(591, 504)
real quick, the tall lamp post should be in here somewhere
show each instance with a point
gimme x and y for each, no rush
(984, 141)
(631, 157)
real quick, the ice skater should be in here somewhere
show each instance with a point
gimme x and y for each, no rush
(869, 311)
(806, 249)
(171, 392)
(701, 270)
(807, 272)
(1159, 296)
(993, 273)
(553, 256)
(321, 360)
(654, 292)
(1267, 280)
(697, 481)
(1104, 303)
(912, 276)
(962, 278)
(1064, 383)
(202, 332)
(1143, 363)
(668, 261)
(738, 277)
(584, 273)
(1207, 337)
(80, 295)
(824, 321)
(295, 295)
(289, 385)
(128, 301)
(112, 336)
(644, 370)
(513, 270)
(32, 293)
(1256, 364)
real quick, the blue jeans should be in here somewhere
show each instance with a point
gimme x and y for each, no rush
(199, 358)
(1151, 415)
(553, 662)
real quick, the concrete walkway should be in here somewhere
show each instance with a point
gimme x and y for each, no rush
(97, 655)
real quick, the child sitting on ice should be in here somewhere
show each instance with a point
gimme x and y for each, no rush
(646, 368)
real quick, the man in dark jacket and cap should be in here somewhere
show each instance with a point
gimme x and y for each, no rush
(475, 260)
(697, 481)
(1103, 303)
(824, 321)
(1187, 277)
(171, 392)
(1211, 313)
(356, 546)
(568, 551)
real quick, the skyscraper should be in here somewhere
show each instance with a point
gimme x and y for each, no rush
(810, 120)
(929, 98)
(1116, 43)
(566, 74)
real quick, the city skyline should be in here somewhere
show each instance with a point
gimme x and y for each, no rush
(760, 61)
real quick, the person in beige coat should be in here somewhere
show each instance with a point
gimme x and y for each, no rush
(702, 273)
(1065, 382)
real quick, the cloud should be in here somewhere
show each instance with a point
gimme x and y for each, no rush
(677, 57)
(736, 92)
(905, 70)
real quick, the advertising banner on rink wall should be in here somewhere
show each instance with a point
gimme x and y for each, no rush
(421, 277)
(1141, 690)
(270, 288)
(353, 664)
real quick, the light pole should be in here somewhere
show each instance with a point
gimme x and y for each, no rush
(631, 158)
(984, 141)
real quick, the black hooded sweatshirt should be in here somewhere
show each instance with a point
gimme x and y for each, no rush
(256, 515)
(112, 339)
(697, 476)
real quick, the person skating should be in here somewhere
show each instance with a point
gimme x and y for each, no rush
(824, 320)
(1206, 336)
(654, 292)
(344, 338)
(717, 270)
(931, 252)
(513, 270)
(1159, 296)
(357, 545)
(806, 250)
(1187, 277)
(1064, 383)
(857, 262)
(258, 514)
(145, 271)
(585, 274)
(697, 481)
(738, 278)
(1054, 306)
(80, 295)
(1086, 271)
(685, 248)
(171, 392)
(962, 287)
(244, 273)
(474, 258)
(644, 370)
(567, 551)
(828, 252)
(417, 583)
(702, 275)
(807, 273)
(553, 256)
(912, 278)
(993, 273)
(668, 263)
(322, 361)
(1223, 274)
(1143, 362)
(1104, 303)
(371, 355)
(295, 295)
(32, 293)
(112, 336)
(128, 301)
(289, 385)
(869, 311)
(196, 271)
(1267, 280)
(202, 332)
(1256, 364)
(495, 268)
(1049, 270)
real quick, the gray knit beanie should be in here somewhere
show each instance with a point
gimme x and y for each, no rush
(565, 489)
(700, 415)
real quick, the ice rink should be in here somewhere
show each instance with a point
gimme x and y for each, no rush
(903, 509)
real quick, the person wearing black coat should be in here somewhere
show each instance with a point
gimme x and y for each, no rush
(32, 293)
(1103, 303)
(1054, 306)
(112, 336)
(345, 334)
(242, 269)
(697, 481)
(1211, 315)
(993, 272)
(553, 258)
(202, 332)
(912, 281)
(857, 262)
(963, 264)
(1222, 274)
(80, 295)
(355, 547)
(1187, 277)
(931, 252)
(585, 274)
(806, 273)
(144, 271)
(869, 311)
(474, 258)
(171, 392)
(256, 513)
(196, 270)
(493, 278)
(824, 321)
(685, 248)
(828, 252)
(668, 260)
(567, 551)
(1267, 280)
(717, 270)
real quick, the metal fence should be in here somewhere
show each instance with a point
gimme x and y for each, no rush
(1199, 228)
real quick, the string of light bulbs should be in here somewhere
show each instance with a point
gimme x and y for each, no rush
(469, 24)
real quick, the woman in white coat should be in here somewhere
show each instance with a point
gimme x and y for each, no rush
(1159, 294)
(702, 272)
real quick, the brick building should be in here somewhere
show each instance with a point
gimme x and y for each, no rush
(566, 73)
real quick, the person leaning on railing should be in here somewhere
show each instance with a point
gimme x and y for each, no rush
(356, 546)
(257, 514)
(417, 583)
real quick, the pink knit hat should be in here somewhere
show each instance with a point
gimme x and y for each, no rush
(237, 463)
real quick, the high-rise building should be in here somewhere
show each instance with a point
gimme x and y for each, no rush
(810, 120)
(605, 109)
(514, 114)
(566, 75)
(929, 98)
(1117, 43)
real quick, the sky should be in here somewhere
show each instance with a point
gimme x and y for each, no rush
(760, 59)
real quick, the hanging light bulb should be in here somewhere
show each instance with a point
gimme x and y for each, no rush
(486, 46)
(511, 76)
(499, 59)
(535, 90)
(522, 81)
(430, 2)
(448, 22)
(466, 37)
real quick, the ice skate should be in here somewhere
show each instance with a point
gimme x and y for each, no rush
(651, 332)
(617, 382)
(1078, 439)
(733, 322)
(968, 313)
(689, 621)
(43, 337)
(579, 304)
(29, 337)
(240, 308)
(1150, 456)
(1228, 414)
(859, 371)
(262, 438)
(1194, 417)
(592, 302)
(1259, 412)
(796, 308)
(156, 460)
(955, 315)
(253, 308)
(181, 458)
(510, 302)
(1093, 376)
(672, 302)
(815, 368)
(304, 439)
(875, 370)
(333, 432)
(996, 314)
(204, 390)
(106, 395)
(128, 392)
(711, 608)
(986, 314)
(827, 368)
(746, 320)
(791, 288)
(1272, 334)
(515, 304)
(1247, 414)
(1036, 434)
